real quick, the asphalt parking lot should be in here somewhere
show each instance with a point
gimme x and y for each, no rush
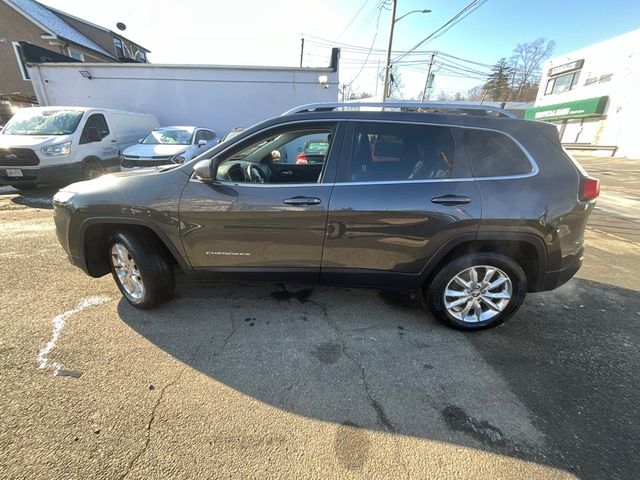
(263, 381)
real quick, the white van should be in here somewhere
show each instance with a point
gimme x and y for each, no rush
(59, 145)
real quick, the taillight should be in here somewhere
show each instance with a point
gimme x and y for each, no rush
(590, 189)
(301, 159)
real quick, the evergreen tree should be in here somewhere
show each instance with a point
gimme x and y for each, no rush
(499, 81)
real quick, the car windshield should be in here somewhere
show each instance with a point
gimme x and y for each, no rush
(43, 122)
(169, 136)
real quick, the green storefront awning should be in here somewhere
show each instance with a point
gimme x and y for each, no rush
(577, 109)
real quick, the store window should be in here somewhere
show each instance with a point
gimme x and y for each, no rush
(562, 83)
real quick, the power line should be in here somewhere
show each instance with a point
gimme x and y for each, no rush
(375, 35)
(470, 8)
(354, 17)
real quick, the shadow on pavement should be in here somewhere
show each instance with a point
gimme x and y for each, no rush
(558, 384)
(36, 198)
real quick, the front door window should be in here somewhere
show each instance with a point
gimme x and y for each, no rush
(291, 157)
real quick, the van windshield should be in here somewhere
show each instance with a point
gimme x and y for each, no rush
(43, 122)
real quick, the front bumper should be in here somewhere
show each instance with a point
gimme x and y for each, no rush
(553, 279)
(53, 175)
(62, 217)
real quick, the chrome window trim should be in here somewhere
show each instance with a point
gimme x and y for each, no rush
(269, 185)
(534, 166)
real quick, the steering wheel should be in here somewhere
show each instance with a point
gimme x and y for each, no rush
(255, 174)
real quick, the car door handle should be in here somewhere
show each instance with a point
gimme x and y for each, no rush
(302, 201)
(286, 172)
(451, 200)
(114, 140)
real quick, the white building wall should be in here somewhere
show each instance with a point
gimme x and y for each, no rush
(619, 56)
(219, 97)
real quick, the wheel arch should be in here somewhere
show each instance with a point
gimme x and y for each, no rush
(526, 249)
(95, 233)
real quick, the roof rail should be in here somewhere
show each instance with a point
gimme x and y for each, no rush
(413, 106)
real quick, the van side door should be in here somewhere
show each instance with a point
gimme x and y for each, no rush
(97, 140)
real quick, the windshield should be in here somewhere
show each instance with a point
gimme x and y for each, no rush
(43, 122)
(169, 136)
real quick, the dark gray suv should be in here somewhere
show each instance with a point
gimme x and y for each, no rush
(467, 205)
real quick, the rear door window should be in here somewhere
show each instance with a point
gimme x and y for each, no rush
(493, 154)
(382, 152)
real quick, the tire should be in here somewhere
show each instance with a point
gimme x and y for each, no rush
(477, 296)
(149, 266)
(92, 169)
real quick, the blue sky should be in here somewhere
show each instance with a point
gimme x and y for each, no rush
(268, 33)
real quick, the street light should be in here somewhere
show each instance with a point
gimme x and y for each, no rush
(409, 13)
(387, 70)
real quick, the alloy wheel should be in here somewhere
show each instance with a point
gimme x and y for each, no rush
(127, 271)
(477, 294)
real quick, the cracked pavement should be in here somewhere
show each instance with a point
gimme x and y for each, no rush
(283, 381)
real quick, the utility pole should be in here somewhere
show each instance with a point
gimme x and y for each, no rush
(426, 83)
(387, 69)
(375, 95)
(301, 50)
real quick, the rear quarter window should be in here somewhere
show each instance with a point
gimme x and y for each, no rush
(493, 154)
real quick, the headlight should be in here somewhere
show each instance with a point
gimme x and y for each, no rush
(58, 149)
(178, 159)
(63, 196)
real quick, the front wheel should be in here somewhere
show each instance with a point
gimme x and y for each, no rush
(477, 291)
(92, 169)
(141, 269)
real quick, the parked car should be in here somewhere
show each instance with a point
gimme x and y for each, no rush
(168, 145)
(233, 133)
(59, 145)
(313, 151)
(471, 210)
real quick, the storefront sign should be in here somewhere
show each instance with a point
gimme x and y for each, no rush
(567, 67)
(578, 109)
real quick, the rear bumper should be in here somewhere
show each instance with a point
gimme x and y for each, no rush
(54, 175)
(553, 279)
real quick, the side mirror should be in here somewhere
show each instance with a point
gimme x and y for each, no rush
(140, 140)
(202, 142)
(206, 170)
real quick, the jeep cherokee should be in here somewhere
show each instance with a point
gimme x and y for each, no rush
(471, 207)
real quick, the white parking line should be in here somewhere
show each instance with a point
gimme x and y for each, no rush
(58, 325)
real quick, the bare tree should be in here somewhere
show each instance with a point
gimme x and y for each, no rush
(396, 84)
(476, 93)
(526, 62)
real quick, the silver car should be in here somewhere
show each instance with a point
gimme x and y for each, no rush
(168, 145)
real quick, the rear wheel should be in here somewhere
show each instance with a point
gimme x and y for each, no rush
(92, 169)
(141, 269)
(477, 291)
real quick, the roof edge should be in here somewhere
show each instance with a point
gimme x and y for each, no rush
(195, 66)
